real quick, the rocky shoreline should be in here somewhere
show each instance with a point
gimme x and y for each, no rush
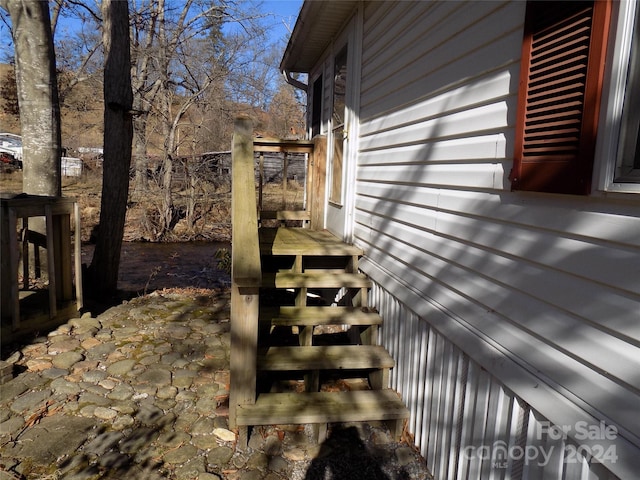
(141, 392)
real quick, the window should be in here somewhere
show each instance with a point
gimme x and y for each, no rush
(316, 108)
(628, 165)
(337, 129)
(561, 76)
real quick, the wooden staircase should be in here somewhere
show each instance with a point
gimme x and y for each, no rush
(318, 361)
(303, 338)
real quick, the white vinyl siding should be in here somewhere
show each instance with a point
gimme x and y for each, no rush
(466, 423)
(539, 289)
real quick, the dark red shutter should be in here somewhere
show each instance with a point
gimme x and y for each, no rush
(560, 84)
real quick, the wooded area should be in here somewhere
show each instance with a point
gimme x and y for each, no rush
(194, 66)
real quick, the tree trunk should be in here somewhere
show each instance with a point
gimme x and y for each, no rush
(167, 215)
(37, 95)
(37, 92)
(118, 133)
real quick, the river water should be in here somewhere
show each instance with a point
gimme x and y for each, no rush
(145, 266)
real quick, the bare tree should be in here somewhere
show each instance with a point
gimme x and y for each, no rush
(35, 68)
(9, 93)
(167, 81)
(118, 133)
(286, 112)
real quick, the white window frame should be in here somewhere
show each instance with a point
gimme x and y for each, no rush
(620, 115)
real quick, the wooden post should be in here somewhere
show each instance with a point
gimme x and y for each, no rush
(51, 262)
(318, 166)
(78, 257)
(25, 253)
(62, 244)
(261, 184)
(13, 268)
(246, 274)
(285, 174)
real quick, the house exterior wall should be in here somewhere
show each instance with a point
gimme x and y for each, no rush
(467, 423)
(509, 309)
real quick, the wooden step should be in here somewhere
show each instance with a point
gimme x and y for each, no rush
(312, 316)
(315, 280)
(322, 407)
(302, 241)
(332, 357)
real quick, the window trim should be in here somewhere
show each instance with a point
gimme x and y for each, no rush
(626, 19)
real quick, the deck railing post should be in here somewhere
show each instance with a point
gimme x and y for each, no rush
(245, 272)
(316, 182)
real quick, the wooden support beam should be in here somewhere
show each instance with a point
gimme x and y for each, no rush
(51, 262)
(13, 268)
(78, 257)
(25, 253)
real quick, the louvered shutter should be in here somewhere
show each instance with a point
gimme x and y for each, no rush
(560, 84)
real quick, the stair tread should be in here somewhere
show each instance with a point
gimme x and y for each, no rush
(323, 407)
(315, 280)
(303, 241)
(329, 357)
(290, 316)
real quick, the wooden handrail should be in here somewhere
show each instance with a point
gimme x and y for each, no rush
(277, 145)
(246, 275)
(245, 253)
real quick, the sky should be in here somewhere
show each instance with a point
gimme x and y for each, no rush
(284, 15)
(287, 11)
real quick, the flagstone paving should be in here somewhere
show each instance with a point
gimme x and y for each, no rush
(141, 392)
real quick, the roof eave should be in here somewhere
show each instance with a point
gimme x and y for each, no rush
(318, 23)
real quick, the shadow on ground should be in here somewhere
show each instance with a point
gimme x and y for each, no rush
(345, 455)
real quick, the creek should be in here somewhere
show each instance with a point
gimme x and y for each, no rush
(146, 266)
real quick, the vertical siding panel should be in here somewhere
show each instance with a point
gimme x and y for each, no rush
(389, 330)
(467, 443)
(423, 337)
(492, 418)
(536, 443)
(482, 412)
(405, 358)
(394, 306)
(479, 421)
(554, 458)
(426, 392)
(457, 420)
(502, 415)
(402, 347)
(435, 387)
(446, 407)
(576, 470)
(521, 424)
(411, 385)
